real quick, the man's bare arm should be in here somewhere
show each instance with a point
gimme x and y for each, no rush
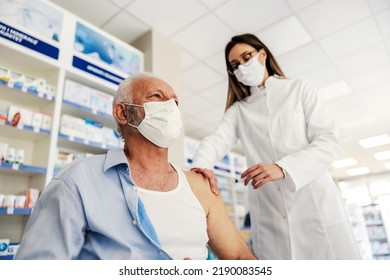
(224, 238)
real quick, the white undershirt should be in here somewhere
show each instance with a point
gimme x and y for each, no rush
(179, 220)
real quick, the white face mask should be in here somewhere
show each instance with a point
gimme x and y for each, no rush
(162, 123)
(251, 73)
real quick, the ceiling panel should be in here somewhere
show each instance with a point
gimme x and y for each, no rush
(212, 4)
(200, 77)
(379, 5)
(323, 18)
(216, 94)
(383, 20)
(296, 62)
(187, 60)
(134, 29)
(217, 63)
(102, 10)
(351, 39)
(364, 60)
(244, 16)
(164, 15)
(121, 3)
(204, 37)
(298, 5)
(295, 36)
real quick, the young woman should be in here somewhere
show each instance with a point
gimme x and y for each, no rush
(289, 142)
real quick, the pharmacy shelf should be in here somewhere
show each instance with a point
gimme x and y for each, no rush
(15, 211)
(30, 97)
(77, 110)
(20, 169)
(7, 258)
(23, 132)
(77, 143)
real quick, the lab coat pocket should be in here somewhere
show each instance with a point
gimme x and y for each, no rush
(294, 131)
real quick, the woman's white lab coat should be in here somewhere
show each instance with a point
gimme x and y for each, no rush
(302, 216)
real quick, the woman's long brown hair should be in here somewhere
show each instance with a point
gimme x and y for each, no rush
(237, 91)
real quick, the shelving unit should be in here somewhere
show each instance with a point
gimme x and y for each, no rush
(359, 228)
(42, 146)
(377, 231)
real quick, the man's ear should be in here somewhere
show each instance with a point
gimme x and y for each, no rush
(119, 112)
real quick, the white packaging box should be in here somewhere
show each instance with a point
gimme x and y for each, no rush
(37, 119)
(77, 93)
(46, 121)
(32, 195)
(72, 126)
(50, 90)
(101, 101)
(5, 74)
(4, 243)
(35, 84)
(109, 137)
(25, 115)
(3, 151)
(16, 79)
(94, 130)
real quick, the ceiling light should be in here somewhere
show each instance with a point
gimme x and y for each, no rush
(387, 165)
(375, 141)
(358, 171)
(344, 163)
(382, 155)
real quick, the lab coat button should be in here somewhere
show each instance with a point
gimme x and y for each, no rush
(279, 189)
(284, 217)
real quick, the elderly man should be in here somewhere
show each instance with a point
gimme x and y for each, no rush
(132, 203)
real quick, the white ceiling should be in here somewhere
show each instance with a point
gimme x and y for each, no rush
(341, 46)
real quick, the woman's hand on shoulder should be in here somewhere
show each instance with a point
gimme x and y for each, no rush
(210, 176)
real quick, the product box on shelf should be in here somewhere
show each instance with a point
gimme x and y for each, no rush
(3, 151)
(101, 101)
(25, 115)
(110, 137)
(77, 93)
(50, 90)
(16, 79)
(35, 84)
(3, 117)
(32, 195)
(46, 121)
(93, 130)
(73, 126)
(4, 243)
(5, 74)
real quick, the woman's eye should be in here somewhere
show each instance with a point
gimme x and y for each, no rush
(246, 57)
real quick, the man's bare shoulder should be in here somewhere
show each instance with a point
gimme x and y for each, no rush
(201, 188)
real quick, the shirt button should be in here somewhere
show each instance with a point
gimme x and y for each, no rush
(134, 187)
(134, 222)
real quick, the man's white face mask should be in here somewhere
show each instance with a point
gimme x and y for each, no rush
(162, 123)
(250, 73)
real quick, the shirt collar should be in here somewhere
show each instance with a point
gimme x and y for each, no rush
(114, 157)
(267, 85)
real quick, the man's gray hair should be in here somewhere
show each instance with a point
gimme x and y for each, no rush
(124, 92)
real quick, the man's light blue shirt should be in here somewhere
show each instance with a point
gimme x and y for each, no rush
(91, 210)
